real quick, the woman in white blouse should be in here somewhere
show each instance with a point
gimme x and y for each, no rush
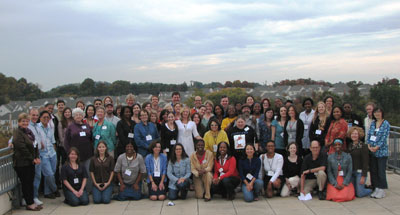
(271, 170)
(186, 131)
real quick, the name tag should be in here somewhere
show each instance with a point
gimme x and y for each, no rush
(167, 150)
(319, 132)
(246, 129)
(282, 134)
(215, 148)
(221, 174)
(35, 144)
(82, 134)
(221, 170)
(97, 137)
(249, 176)
(148, 137)
(306, 127)
(373, 138)
(76, 180)
(376, 129)
(270, 173)
(157, 174)
(359, 171)
(130, 135)
(341, 173)
(104, 127)
(84, 127)
(204, 161)
(128, 172)
(173, 142)
(356, 122)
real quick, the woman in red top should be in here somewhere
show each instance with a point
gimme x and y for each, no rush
(226, 176)
(337, 129)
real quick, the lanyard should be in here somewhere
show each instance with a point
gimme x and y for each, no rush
(271, 164)
(223, 161)
(157, 162)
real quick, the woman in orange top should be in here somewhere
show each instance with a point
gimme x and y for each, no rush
(337, 129)
(226, 176)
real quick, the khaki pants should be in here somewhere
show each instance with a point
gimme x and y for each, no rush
(294, 182)
(203, 184)
(309, 184)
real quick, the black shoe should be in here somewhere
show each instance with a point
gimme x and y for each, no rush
(50, 196)
(57, 194)
(321, 195)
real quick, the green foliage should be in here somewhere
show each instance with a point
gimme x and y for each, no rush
(12, 89)
(234, 94)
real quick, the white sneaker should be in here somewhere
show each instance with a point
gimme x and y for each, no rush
(37, 201)
(23, 202)
(380, 194)
(373, 194)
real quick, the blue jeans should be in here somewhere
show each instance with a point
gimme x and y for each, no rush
(72, 200)
(129, 193)
(48, 166)
(378, 172)
(36, 181)
(182, 187)
(102, 196)
(250, 195)
(361, 191)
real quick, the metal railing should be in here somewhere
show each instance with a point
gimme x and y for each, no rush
(394, 148)
(8, 177)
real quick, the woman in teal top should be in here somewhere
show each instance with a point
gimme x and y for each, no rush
(277, 127)
(378, 146)
(104, 130)
(178, 173)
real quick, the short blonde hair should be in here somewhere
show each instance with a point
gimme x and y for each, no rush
(22, 116)
(358, 129)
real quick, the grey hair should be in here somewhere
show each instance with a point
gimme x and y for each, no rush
(77, 111)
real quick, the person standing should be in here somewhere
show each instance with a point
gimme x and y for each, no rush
(307, 117)
(25, 158)
(104, 130)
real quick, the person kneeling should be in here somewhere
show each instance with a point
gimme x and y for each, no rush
(202, 162)
(129, 168)
(272, 164)
(178, 173)
(340, 188)
(313, 171)
(248, 171)
(74, 177)
(226, 176)
(156, 165)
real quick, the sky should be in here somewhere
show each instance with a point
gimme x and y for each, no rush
(56, 42)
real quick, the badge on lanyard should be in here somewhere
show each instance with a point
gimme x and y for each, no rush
(356, 122)
(97, 137)
(204, 161)
(249, 176)
(270, 173)
(128, 172)
(341, 173)
(84, 127)
(373, 138)
(282, 134)
(215, 147)
(319, 132)
(82, 134)
(148, 137)
(157, 174)
(246, 129)
(130, 135)
(173, 142)
(306, 127)
(104, 127)
(76, 180)
(166, 149)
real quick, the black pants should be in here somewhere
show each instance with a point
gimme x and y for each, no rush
(225, 186)
(61, 157)
(378, 172)
(26, 175)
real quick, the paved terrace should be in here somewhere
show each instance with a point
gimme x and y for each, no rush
(277, 205)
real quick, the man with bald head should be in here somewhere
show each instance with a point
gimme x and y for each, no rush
(197, 103)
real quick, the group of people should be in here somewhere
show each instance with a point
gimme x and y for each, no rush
(212, 148)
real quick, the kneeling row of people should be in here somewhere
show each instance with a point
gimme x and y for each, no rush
(277, 175)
